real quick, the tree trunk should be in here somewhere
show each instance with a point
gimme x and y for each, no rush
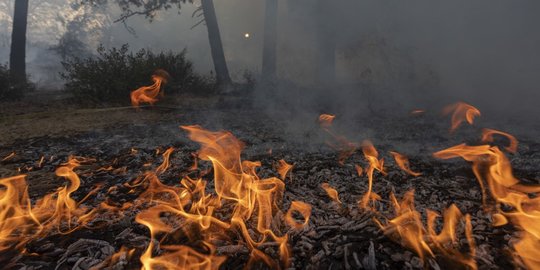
(17, 58)
(270, 41)
(327, 42)
(216, 46)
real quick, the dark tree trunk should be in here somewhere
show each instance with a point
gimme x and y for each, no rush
(327, 42)
(17, 56)
(270, 41)
(216, 46)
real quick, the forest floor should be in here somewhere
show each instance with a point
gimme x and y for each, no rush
(338, 235)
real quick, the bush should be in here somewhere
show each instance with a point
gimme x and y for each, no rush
(10, 89)
(114, 73)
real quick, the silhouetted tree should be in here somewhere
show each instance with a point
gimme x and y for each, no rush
(270, 41)
(149, 7)
(17, 57)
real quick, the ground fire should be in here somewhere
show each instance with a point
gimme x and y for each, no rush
(266, 134)
(211, 215)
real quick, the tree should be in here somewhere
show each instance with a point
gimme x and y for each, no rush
(148, 9)
(216, 46)
(327, 42)
(17, 57)
(270, 41)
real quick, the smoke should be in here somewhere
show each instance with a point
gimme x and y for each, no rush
(390, 56)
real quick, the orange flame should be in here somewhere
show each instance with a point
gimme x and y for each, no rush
(487, 137)
(325, 120)
(461, 111)
(372, 156)
(332, 192)
(165, 165)
(403, 163)
(407, 228)
(492, 168)
(284, 168)
(304, 209)
(148, 94)
(341, 144)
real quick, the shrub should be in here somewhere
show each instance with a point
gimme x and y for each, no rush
(110, 76)
(11, 89)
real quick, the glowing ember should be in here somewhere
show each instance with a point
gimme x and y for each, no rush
(148, 94)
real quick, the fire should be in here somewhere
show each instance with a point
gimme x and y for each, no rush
(344, 147)
(492, 169)
(408, 229)
(403, 163)
(487, 137)
(237, 186)
(332, 192)
(461, 112)
(372, 156)
(165, 165)
(57, 212)
(325, 120)
(304, 209)
(148, 94)
(284, 168)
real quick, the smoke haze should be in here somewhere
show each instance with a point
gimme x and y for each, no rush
(409, 54)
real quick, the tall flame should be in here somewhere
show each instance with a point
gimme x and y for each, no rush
(492, 168)
(372, 156)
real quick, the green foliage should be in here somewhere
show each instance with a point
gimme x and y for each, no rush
(110, 76)
(11, 89)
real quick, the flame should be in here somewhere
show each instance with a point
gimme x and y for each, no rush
(332, 192)
(304, 209)
(418, 111)
(403, 163)
(487, 137)
(148, 94)
(237, 186)
(284, 168)
(344, 147)
(492, 169)
(20, 221)
(461, 111)
(407, 228)
(372, 156)
(326, 120)
(165, 165)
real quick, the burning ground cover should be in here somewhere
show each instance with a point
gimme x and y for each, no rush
(176, 196)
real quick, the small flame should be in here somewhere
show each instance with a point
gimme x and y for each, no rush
(372, 156)
(148, 94)
(165, 165)
(284, 168)
(304, 209)
(403, 163)
(326, 120)
(461, 112)
(487, 137)
(332, 192)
